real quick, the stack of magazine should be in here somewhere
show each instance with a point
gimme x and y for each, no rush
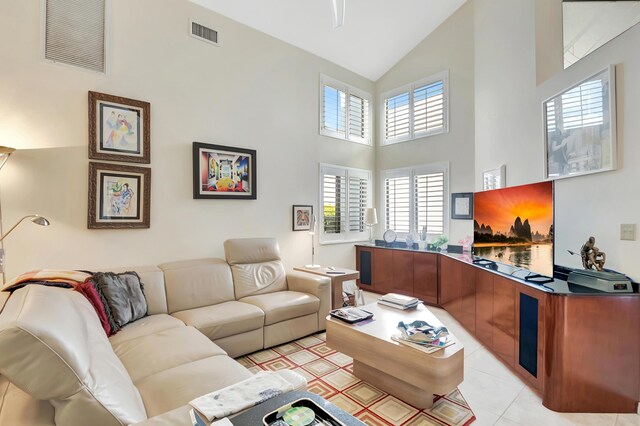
(421, 334)
(398, 301)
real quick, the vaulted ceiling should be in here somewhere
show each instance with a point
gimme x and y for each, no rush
(376, 33)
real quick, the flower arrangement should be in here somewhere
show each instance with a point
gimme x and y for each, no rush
(466, 243)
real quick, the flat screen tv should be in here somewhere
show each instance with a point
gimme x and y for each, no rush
(515, 226)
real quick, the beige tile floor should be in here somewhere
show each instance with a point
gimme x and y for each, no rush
(497, 396)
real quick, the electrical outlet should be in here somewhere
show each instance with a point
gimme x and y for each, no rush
(628, 231)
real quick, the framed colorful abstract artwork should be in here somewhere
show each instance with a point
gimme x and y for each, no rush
(224, 172)
(302, 218)
(119, 196)
(119, 129)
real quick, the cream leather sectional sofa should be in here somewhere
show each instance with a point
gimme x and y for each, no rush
(58, 366)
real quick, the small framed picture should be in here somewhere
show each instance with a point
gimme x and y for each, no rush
(494, 178)
(119, 196)
(462, 205)
(119, 129)
(224, 172)
(302, 218)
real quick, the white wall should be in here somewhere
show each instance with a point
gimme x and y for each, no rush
(499, 77)
(509, 127)
(254, 91)
(449, 47)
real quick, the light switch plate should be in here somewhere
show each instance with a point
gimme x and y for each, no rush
(628, 231)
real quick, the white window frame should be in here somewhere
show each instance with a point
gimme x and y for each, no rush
(346, 236)
(348, 90)
(442, 76)
(441, 167)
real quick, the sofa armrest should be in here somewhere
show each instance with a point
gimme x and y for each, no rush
(315, 285)
(20, 408)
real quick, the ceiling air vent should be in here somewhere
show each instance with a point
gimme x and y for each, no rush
(74, 32)
(203, 33)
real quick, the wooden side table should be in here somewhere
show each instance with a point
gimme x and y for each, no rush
(336, 280)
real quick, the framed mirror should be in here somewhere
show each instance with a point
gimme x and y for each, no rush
(587, 25)
(580, 124)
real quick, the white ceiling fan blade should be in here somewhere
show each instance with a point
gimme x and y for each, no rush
(338, 12)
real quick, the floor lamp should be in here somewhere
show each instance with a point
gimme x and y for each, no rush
(38, 220)
(5, 152)
(312, 232)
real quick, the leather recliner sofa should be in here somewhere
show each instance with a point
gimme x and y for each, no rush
(59, 367)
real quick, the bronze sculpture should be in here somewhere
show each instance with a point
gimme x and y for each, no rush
(592, 257)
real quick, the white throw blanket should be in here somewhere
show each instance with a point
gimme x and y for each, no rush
(247, 393)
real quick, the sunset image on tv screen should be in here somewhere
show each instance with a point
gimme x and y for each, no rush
(515, 226)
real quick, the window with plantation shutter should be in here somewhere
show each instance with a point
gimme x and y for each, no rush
(428, 108)
(398, 203)
(429, 196)
(358, 199)
(345, 111)
(345, 193)
(334, 203)
(396, 117)
(416, 110)
(416, 198)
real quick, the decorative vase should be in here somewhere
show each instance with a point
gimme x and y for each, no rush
(410, 241)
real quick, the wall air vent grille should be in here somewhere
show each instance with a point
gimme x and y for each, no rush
(203, 33)
(74, 32)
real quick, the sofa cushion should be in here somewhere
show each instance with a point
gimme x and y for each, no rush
(188, 381)
(258, 278)
(196, 283)
(145, 326)
(284, 305)
(251, 250)
(53, 347)
(224, 319)
(170, 348)
(124, 293)
(154, 291)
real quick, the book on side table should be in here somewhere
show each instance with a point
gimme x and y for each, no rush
(398, 301)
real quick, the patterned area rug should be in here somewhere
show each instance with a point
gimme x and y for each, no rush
(329, 374)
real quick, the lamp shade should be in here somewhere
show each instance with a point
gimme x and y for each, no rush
(370, 216)
(313, 224)
(38, 220)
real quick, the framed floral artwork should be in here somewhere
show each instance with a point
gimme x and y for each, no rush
(119, 196)
(119, 129)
